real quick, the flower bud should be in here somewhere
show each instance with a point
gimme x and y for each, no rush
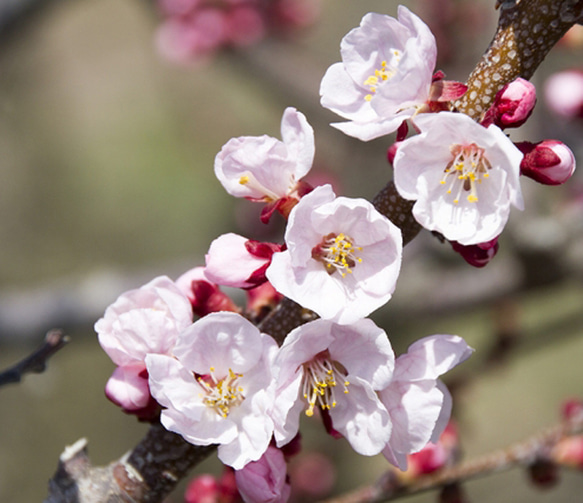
(128, 388)
(549, 162)
(477, 255)
(572, 408)
(512, 105)
(544, 473)
(264, 480)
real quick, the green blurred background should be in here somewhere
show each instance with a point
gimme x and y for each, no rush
(106, 181)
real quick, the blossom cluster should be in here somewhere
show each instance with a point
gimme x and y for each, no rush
(194, 30)
(189, 355)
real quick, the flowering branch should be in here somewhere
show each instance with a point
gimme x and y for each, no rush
(527, 30)
(37, 361)
(535, 449)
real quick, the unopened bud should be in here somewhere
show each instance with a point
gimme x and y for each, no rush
(512, 105)
(549, 162)
(477, 255)
(543, 473)
(572, 409)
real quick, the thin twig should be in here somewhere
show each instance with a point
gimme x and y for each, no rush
(525, 453)
(37, 361)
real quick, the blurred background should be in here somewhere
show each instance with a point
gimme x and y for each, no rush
(108, 134)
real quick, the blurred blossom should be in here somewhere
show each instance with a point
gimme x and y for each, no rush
(564, 93)
(313, 474)
(193, 30)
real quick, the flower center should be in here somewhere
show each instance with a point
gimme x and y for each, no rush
(321, 376)
(249, 180)
(466, 171)
(382, 74)
(337, 252)
(221, 394)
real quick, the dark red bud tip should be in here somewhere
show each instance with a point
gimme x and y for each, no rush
(549, 162)
(543, 473)
(478, 255)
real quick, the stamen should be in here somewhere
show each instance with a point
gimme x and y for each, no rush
(221, 394)
(337, 252)
(321, 376)
(249, 180)
(468, 167)
(380, 75)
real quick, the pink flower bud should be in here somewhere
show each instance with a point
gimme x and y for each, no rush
(572, 408)
(477, 255)
(564, 93)
(264, 480)
(549, 162)
(512, 106)
(236, 261)
(128, 388)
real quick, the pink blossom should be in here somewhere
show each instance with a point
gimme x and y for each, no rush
(264, 480)
(342, 259)
(262, 168)
(216, 388)
(419, 404)
(236, 261)
(385, 74)
(464, 177)
(564, 93)
(549, 162)
(512, 105)
(337, 369)
(140, 322)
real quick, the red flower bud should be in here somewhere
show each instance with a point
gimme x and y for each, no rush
(549, 162)
(477, 255)
(512, 105)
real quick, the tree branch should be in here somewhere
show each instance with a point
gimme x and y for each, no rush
(534, 449)
(37, 361)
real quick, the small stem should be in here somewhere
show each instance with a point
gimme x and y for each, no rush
(524, 453)
(37, 361)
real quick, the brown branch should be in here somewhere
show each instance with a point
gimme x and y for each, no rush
(37, 361)
(523, 454)
(527, 31)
